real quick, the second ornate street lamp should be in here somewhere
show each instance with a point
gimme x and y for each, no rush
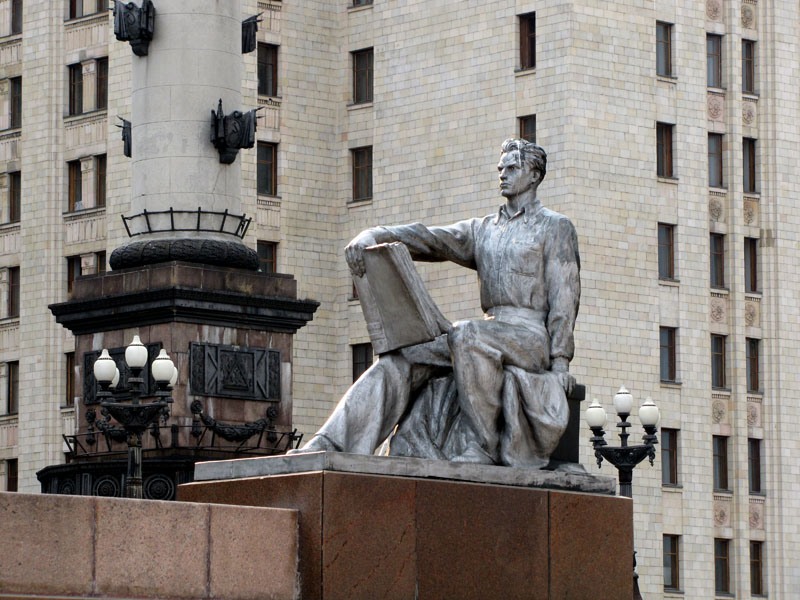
(135, 417)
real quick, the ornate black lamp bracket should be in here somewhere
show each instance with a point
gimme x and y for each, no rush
(229, 133)
(625, 457)
(135, 24)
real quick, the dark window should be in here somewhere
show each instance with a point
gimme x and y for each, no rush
(100, 180)
(362, 359)
(754, 475)
(14, 196)
(722, 567)
(753, 351)
(666, 251)
(751, 264)
(267, 70)
(267, 169)
(101, 6)
(75, 187)
(75, 89)
(15, 103)
(362, 2)
(668, 353)
(69, 379)
(16, 16)
(717, 260)
(12, 387)
(664, 49)
(101, 84)
(757, 587)
(718, 361)
(267, 257)
(749, 179)
(75, 9)
(671, 562)
(748, 66)
(721, 463)
(714, 60)
(527, 128)
(669, 456)
(73, 271)
(13, 291)
(101, 261)
(715, 178)
(527, 41)
(362, 173)
(362, 76)
(12, 475)
(664, 163)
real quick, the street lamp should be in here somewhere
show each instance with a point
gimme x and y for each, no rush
(624, 457)
(135, 417)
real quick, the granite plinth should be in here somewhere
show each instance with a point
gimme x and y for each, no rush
(424, 529)
(575, 480)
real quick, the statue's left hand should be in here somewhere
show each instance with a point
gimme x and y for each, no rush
(354, 252)
(567, 381)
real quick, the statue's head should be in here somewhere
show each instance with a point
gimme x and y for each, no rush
(529, 154)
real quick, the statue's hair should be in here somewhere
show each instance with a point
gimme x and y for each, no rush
(529, 153)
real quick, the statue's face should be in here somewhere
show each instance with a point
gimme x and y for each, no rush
(515, 176)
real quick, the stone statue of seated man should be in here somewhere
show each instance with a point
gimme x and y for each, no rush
(490, 390)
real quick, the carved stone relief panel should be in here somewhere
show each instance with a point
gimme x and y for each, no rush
(714, 10)
(722, 511)
(749, 14)
(235, 372)
(718, 309)
(754, 412)
(751, 212)
(756, 513)
(719, 409)
(716, 207)
(749, 113)
(752, 313)
(716, 107)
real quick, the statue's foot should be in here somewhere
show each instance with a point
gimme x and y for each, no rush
(474, 454)
(318, 443)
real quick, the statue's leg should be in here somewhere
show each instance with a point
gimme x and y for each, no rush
(367, 413)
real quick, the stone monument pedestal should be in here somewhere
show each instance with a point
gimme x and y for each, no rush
(379, 527)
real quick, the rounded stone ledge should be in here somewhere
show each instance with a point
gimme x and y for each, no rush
(207, 252)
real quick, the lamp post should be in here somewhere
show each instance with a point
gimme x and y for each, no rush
(624, 457)
(135, 417)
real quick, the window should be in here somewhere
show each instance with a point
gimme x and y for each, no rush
(749, 179)
(12, 475)
(753, 379)
(714, 60)
(362, 76)
(73, 272)
(717, 260)
(748, 66)
(666, 251)
(669, 456)
(527, 128)
(101, 84)
(671, 562)
(75, 9)
(362, 359)
(14, 196)
(721, 463)
(718, 361)
(267, 257)
(267, 169)
(754, 475)
(12, 387)
(527, 41)
(267, 70)
(15, 103)
(668, 353)
(100, 258)
(16, 16)
(664, 49)
(715, 160)
(751, 265)
(75, 186)
(362, 173)
(100, 180)
(722, 568)
(362, 2)
(757, 587)
(664, 132)
(69, 379)
(75, 89)
(13, 292)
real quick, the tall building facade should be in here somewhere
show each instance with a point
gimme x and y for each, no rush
(671, 129)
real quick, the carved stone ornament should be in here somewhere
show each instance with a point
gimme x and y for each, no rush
(231, 132)
(717, 310)
(750, 314)
(716, 107)
(127, 136)
(748, 16)
(135, 24)
(235, 372)
(750, 212)
(715, 209)
(718, 411)
(753, 414)
(249, 31)
(748, 113)
(714, 9)
(720, 514)
(756, 516)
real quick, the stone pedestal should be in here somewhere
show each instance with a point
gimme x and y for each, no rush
(375, 527)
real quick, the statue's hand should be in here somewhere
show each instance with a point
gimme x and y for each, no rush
(561, 368)
(354, 252)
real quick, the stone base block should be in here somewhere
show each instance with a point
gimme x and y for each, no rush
(382, 536)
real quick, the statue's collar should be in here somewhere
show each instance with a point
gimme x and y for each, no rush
(527, 211)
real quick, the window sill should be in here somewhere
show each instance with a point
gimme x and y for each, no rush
(358, 105)
(269, 100)
(83, 212)
(726, 493)
(721, 390)
(758, 494)
(669, 281)
(718, 189)
(717, 90)
(749, 95)
(359, 8)
(9, 321)
(10, 227)
(9, 418)
(89, 17)
(720, 290)
(665, 179)
(11, 131)
(670, 592)
(358, 203)
(85, 115)
(670, 383)
(527, 71)
(667, 78)
(11, 38)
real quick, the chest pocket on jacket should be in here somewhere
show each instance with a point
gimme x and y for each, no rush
(525, 258)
